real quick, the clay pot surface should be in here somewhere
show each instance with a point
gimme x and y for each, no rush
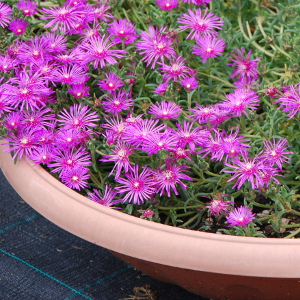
(211, 265)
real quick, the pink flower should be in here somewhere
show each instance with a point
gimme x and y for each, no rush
(167, 178)
(148, 213)
(7, 63)
(28, 7)
(202, 114)
(72, 74)
(79, 90)
(177, 70)
(249, 170)
(117, 102)
(201, 24)
(167, 4)
(161, 88)
(218, 206)
(122, 30)
(18, 27)
(120, 155)
(110, 83)
(97, 49)
(245, 68)
(189, 83)
(209, 47)
(76, 178)
(154, 46)
(241, 216)
(43, 154)
(56, 43)
(5, 14)
(274, 152)
(165, 110)
(138, 188)
(107, 199)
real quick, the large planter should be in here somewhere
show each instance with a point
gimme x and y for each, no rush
(211, 265)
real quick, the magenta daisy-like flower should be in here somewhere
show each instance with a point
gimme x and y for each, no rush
(201, 24)
(213, 146)
(186, 134)
(248, 170)
(63, 18)
(197, 2)
(177, 69)
(69, 159)
(13, 121)
(148, 213)
(108, 198)
(218, 206)
(238, 102)
(117, 102)
(245, 67)
(43, 154)
(120, 155)
(80, 117)
(76, 178)
(189, 83)
(167, 4)
(100, 12)
(79, 90)
(28, 7)
(165, 110)
(209, 47)
(18, 27)
(5, 14)
(161, 88)
(97, 49)
(122, 30)
(69, 75)
(154, 46)
(167, 178)
(56, 43)
(240, 216)
(39, 119)
(290, 100)
(202, 114)
(138, 188)
(110, 83)
(159, 141)
(7, 63)
(274, 152)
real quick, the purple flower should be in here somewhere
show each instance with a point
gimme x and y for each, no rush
(13, 121)
(201, 24)
(120, 156)
(138, 187)
(69, 159)
(100, 12)
(197, 2)
(167, 4)
(218, 206)
(248, 169)
(63, 18)
(167, 178)
(154, 46)
(161, 88)
(76, 178)
(240, 101)
(110, 83)
(240, 216)
(107, 199)
(165, 110)
(274, 152)
(97, 49)
(189, 83)
(148, 213)
(245, 68)
(117, 102)
(290, 100)
(18, 27)
(159, 141)
(70, 75)
(80, 117)
(209, 47)
(28, 7)
(202, 114)
(5, 14)
(43, 154)
(56, 43)
(40, 119)
(7, 63)
(79, 90)
(177, 69)
(122, 30)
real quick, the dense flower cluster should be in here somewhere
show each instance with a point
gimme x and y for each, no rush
(72, 98)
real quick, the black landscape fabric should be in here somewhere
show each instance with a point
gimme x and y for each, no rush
(40, 261)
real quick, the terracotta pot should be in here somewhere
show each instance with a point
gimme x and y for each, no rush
(211, 265)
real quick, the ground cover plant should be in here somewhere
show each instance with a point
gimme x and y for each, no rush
(184, 112)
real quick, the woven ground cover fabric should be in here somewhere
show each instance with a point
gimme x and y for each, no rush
(40, 261)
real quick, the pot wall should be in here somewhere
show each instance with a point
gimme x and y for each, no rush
(156, 248)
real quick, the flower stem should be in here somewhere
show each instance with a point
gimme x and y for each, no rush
(227, 83)
(292, 234)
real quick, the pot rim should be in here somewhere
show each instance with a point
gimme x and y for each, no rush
(148, 240)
